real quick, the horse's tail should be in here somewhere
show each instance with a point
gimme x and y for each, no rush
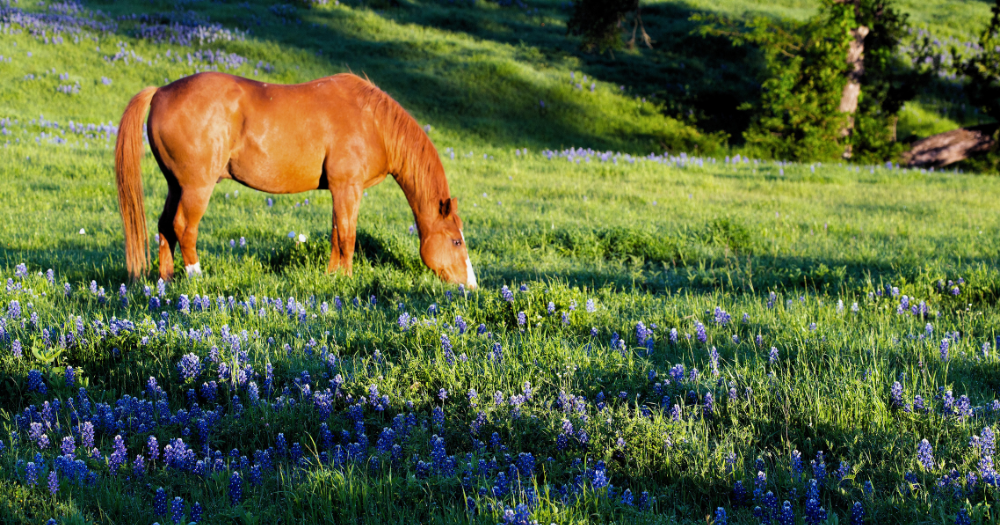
(128, 177)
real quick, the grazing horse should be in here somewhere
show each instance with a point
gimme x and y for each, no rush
(339, 133)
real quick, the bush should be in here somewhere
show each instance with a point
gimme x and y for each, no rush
(600, 23)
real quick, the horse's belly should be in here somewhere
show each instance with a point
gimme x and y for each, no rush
(275, 174)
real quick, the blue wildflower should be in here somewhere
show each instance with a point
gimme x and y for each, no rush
(53, 482)
(925, 455)
(177, 510)
(857, 514)
(235, 488)
(160, 502)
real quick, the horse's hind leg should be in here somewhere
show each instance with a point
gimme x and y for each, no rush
(165, 227)
(193, 203)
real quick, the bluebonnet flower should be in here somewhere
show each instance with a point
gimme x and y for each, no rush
(962, 518)
(713, 356)
(773, 356)
(720, 517)
(177, 509)
(70, 376)
(67, 289)
(447, 349)
(139, 466)
(640, 333)
(739, 493)
(521, 319)
(437, 415)
(673, 336)
(53, 482)
(797, 465)
(819, 468)
(944, 349)
(896, 395)
(15, 349)
(590, 307)
(857, 514)
(255, 475)
(35, 383)
(460, 324)
(31, 474)
(189, 367)
(551, 308)
(708, 404)
(235, 488)
(600, 479)
(506, 294)
(721, 316)
(196, 512)
(787, 516)
(160, 502)
(14, 309)
(68, 445)
(814, 512)
(925, 455)
(987, 442)
(700, 329)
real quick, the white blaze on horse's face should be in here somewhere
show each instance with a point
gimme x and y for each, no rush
(469, 272)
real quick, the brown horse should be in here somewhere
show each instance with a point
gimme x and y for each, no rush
(339, 133)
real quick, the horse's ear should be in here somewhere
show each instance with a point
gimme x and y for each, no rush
(448, 206)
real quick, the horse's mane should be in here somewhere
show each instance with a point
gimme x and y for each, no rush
(413, 159)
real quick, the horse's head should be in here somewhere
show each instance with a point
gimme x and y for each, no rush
(443, 248)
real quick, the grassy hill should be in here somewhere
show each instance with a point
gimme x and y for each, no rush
(656, 334)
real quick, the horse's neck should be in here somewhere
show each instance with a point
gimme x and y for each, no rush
(425, 186)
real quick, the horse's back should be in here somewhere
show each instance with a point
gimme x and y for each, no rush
(271, 137)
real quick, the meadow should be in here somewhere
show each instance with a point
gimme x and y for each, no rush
(683, 337)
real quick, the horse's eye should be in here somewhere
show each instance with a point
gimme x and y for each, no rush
(456, 242)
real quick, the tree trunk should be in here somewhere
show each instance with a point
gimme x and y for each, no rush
(852, 90)
(950, 147)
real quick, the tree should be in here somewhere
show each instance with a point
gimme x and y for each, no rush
(977, 144)
(983, 69)
(601, 23)
(833, 85)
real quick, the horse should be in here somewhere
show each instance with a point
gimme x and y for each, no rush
(339, 133)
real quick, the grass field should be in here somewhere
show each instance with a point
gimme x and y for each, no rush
(655, 337)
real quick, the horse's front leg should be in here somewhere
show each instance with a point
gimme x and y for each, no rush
(346, 203)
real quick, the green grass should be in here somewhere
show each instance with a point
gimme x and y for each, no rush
(661, 243)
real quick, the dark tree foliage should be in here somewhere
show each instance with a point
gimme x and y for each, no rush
(983, 69)
(887, 84)
(982, 72)
(797, 116)
(602, 22)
